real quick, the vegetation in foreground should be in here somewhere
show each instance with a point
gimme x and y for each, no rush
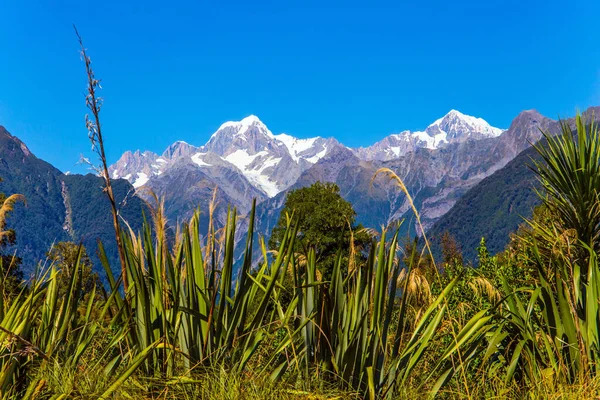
(331, 310)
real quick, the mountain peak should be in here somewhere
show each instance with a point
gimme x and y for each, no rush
(179, 149)
(6, 137)
(455, 113)
(526, 117)
(457, 124)
(250, 119)
(244, 124)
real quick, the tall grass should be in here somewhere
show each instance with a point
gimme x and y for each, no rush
(41, 328)
(344, 327)
(182, 313)
(196, 308)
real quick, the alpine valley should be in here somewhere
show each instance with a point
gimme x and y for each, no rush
(244, 160)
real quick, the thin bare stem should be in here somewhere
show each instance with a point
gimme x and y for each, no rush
(94, 104)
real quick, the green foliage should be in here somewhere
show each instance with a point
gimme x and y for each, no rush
(326, 224)
(90, 215)
(59, 207)
(570, 175)
(184, 310)
(40, 328)
(345, 330)
(189, 301)
(547, 330)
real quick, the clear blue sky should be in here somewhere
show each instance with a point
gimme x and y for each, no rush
(353, 70)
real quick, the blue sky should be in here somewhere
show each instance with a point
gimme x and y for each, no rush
(357, 71)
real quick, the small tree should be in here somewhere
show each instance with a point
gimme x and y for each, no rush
(451, 253)
(325, 224)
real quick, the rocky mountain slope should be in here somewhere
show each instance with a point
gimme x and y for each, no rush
(452, 177)
(435, 178)
(242, 160)
(498, 204)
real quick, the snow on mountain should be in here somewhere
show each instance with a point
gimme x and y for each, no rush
(454, 127)
(296, 146)
(309, 150)
(197, 159)
(251, 147)
(458, 125)
(242, 126)
(138, 167)
(272, 163)
(141, 180)
(314, 159)
(253, 167)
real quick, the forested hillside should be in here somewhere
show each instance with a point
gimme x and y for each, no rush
(59, 207)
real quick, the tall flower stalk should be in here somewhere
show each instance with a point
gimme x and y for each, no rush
(94, 104)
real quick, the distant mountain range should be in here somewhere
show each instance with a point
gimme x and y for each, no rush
(457, 170)
(272, 163)
(245, 160)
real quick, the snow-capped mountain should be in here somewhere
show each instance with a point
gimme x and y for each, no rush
(456, 126)
(270, 163)
(453, 127)
(306, 150)
(252, 148)
(138, 167)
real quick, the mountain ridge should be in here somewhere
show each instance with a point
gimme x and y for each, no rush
(272, 163)
(436, 176)
(499, 203)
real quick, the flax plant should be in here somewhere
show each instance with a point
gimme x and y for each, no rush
(551, 332)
